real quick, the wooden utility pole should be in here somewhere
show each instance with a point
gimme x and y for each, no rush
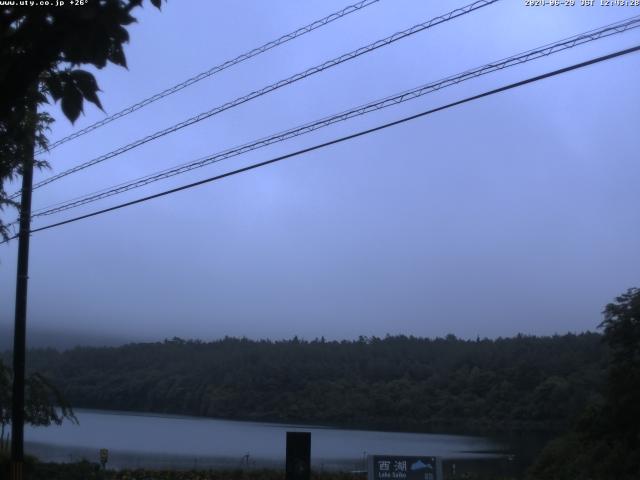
(22, 278)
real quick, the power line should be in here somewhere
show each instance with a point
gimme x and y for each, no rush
(274, 86)
(517, 59)
(348, 137)
(214, 70)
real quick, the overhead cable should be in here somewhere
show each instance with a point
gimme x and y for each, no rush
(270, 88)
(214, 70)
(517, 59)
(346, 138)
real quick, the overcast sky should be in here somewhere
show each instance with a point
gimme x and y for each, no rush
(515, 213)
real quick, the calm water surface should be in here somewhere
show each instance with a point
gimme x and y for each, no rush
(152, 440)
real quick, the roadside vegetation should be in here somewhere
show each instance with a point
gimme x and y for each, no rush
(604, 443)
(92, 471)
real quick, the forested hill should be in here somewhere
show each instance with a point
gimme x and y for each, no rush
(522, 383)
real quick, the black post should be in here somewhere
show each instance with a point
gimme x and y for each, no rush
(19, 335)
(298, 463)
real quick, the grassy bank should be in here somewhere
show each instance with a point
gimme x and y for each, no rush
(36, 470)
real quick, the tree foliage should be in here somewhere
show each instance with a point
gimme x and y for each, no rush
(605, 442)
(41, 48)
(522, 383)
(622, 333)
(44, 404)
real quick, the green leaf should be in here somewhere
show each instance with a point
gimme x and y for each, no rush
(86, 83)
(116, 55)
(71, 102)
(54, 85)
(42, 98)
(120, 35)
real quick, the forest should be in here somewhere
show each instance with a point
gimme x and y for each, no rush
(524, 383)
(582, 389)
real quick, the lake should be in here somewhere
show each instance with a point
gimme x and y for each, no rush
(147, 440)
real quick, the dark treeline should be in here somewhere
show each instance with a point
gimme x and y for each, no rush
(522, 383)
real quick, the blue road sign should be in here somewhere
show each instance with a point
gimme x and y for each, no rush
(395, 467)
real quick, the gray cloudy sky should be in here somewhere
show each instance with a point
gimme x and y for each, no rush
(515, 213)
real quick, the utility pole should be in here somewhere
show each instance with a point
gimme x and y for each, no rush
(22, 278)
